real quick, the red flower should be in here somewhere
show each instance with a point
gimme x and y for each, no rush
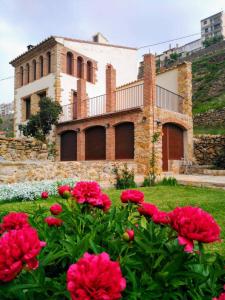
(95, 277)
(133, 196)
(52, 221)
(56, 209)
(221, 297)
(64, 191)
(18, 249)
(147, 209)
(102, 202)
(14, 220)
(44, 195)
(128, 235)
(193, 223)
(161, 217)
(88, 192)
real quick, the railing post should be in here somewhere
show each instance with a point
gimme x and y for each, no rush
(110, 88)
(81, 99)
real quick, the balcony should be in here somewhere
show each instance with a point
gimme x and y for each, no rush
(125, 99)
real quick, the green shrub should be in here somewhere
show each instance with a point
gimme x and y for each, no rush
(124, 177)
(171, 181)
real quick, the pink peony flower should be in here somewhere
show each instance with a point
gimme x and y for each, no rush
(64, 191)
(193, 223)
(128, 235)
(56, 209)
(147, 209)
(161, 217)
(95, 277)
(44, 195)
(102, 202)
(18, 249)
(133, 196)
(221, 297)
(52, 221)
(14, 220)
(89, 192)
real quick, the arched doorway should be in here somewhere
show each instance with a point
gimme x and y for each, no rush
(95, 143)
(172, 144)
(68, 149)
(124, 141)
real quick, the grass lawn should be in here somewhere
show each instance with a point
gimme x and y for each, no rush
(165, 197)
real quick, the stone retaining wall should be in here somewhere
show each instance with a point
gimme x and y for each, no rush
(207, 148)
(22, 149)
(210, 118)
(101, 171)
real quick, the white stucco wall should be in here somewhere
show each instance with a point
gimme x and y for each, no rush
(124, 60)
(168, 80)
(44, 83)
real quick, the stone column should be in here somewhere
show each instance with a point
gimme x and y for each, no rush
(81, 99)
(81, 145)
(110, 88)
(110, 143)
(149, 80)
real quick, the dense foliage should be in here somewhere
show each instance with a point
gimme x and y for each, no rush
(97, 251)
(40, 124)
(124, 177)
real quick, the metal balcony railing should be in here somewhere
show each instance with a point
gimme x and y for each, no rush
(168, 100)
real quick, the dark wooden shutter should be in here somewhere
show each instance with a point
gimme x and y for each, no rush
(79, 66)
(95, 143)
(28, 108)
(124, 141)
(69, 146)
(69, 63)
(74, 105)
(165, 151)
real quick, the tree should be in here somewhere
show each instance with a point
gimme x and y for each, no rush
(40, 125)
(210, 41)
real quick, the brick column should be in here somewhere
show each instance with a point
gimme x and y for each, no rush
(81, 99)
(149, 80)
(185, 86)
(81, 145)
(110, 88)
(110, 143)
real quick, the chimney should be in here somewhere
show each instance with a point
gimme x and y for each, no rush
(110, 88)
(99, 38)
(29, 47)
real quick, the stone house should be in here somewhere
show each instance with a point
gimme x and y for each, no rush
(107, 113)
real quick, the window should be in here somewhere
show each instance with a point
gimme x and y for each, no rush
(49, 62)
(207, 30)
(79, 66)
(89, 71)
(205, 22)
(34, 69)
(41, 66)
(28, 73)
(21, 76)
(27, 107)
(69, 63)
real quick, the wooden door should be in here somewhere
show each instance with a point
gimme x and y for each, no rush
(68, 146)
(172, 144)
(74, 105)
(124, 141)
(95, 143)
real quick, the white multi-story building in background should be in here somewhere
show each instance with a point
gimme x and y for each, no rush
(6, 109)
(213, 26)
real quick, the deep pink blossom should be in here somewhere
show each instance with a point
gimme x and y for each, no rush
(102, 202)
(87, 192)
(193, 223)
(52, 221)
(18, 249)
(95, 277)
(44, 195)
(147, 209)
(64, 191)
(128, 235)
(221, 297)
(133, 196)
(14, 220)
(161, 217)
(56, 209)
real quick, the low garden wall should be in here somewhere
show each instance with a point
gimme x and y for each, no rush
(210, 118)
(207, 148)
(22, 149)
(101, 171)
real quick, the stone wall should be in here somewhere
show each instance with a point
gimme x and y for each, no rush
(22, 149)
(210, 118)
(207, 148)
(101, 171)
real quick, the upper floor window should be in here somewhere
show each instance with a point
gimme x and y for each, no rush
(28, 73)
(69, 63)
(21, 76)
(79, 66)
(49, 62)
(89, 71)
(41, 66)
(34, 69)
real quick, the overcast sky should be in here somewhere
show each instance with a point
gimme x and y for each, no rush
(126, 22)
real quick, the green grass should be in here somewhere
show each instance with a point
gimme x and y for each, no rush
(211, 104)
(165, 197)
(209, 130)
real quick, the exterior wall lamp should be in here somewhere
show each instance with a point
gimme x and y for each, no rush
(107, 125)
(158, 122)
(77, 130)
(144, 119)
